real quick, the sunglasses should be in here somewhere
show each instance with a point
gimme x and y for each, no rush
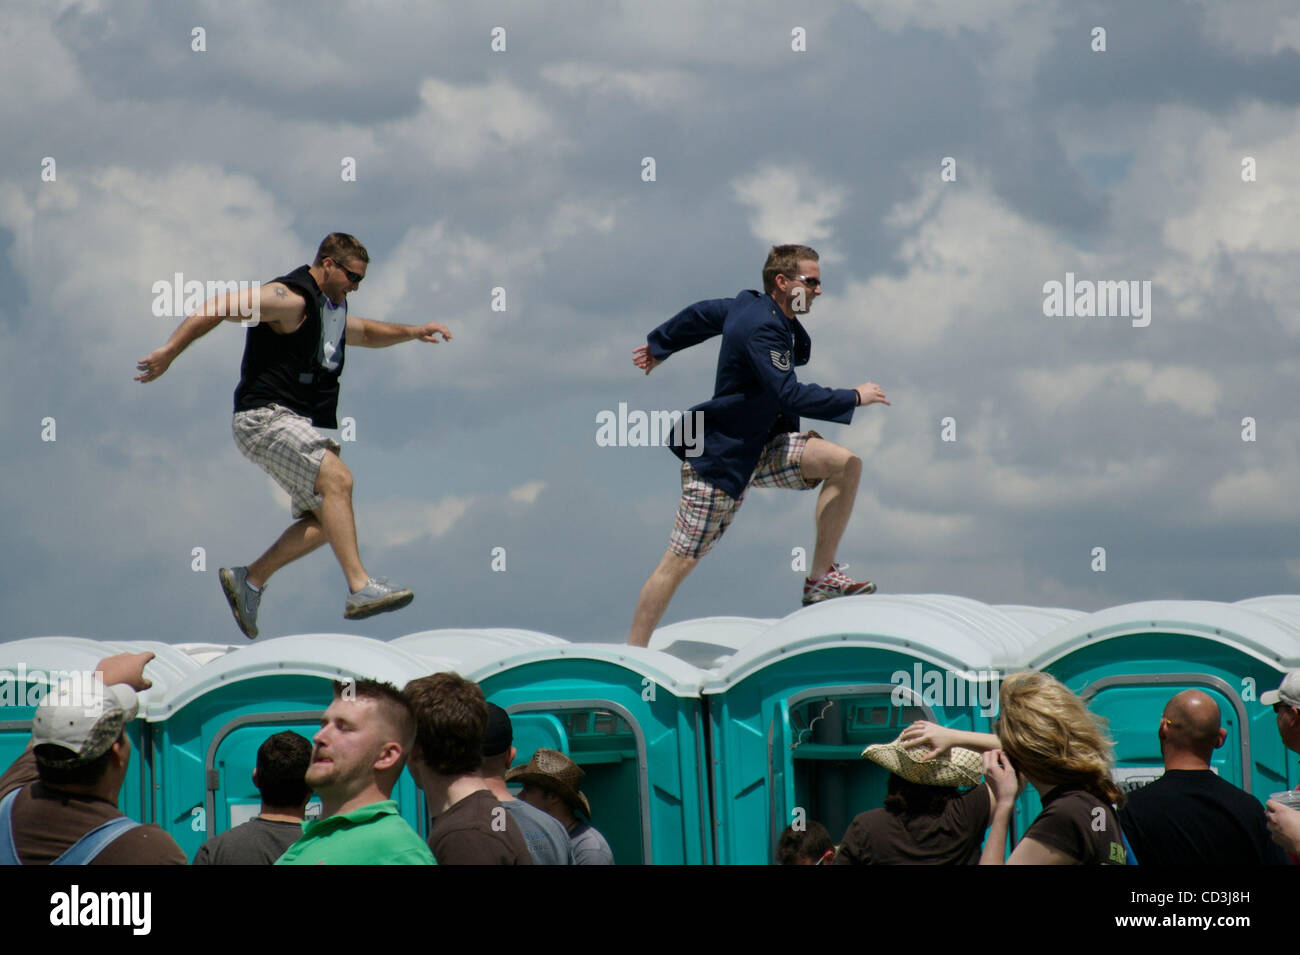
(810, 282)
(353, 277)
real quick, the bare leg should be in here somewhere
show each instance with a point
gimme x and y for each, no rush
(656, 594)
(300, 539)
(334, 484)
(841, 470)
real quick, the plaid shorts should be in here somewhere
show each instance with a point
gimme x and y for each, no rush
(705, 511)
(285, 445)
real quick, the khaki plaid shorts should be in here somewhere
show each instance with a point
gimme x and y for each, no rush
(705, 511)
(285, 445)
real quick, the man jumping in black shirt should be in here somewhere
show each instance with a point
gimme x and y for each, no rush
(288, 387)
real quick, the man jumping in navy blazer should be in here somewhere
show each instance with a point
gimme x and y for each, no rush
(751, 429)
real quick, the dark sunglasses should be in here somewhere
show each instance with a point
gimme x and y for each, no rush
(353, 277)
(811, 283)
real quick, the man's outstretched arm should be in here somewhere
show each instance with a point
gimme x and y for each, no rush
(272, 304)
(369, 333)
(690, 326)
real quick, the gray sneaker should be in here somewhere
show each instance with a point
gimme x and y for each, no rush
(243, 598)
(377, 596)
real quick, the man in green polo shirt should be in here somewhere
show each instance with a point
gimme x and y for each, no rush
(360, 751)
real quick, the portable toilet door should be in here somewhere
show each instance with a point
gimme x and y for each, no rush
(791, 712)
(209, 728)
(1127, 662)
(630, 718)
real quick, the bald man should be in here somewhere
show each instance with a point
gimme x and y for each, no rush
(1189, 816)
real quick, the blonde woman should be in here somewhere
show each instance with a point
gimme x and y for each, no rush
(1045, 734)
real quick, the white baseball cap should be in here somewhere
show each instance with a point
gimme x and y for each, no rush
(85, 720)
(1288, 692)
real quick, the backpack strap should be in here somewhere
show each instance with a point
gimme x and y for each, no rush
(8, 851)
(96, 841)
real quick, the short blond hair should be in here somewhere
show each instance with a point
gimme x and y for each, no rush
(784, 260)
(340, 247)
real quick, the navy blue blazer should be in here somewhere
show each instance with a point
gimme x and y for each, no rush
(756, 394)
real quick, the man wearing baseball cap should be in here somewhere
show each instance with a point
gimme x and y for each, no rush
(1283, 821)
(550, 782)
(58, 801)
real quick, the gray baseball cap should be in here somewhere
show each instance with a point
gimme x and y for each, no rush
(84, 720)
(1288, 692)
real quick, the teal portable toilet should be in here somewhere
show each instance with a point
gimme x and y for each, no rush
(791, 711)
(208, 727)
(27, 668)
(1127, 661)
(630, 717)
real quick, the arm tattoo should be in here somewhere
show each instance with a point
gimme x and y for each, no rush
(280, 292)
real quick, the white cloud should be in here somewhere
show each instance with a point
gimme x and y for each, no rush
(527, 493)
(651, 89)
(1190, 389)
(789, 204)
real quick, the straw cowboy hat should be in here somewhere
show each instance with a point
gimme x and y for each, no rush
(957, 767)
(553, 771)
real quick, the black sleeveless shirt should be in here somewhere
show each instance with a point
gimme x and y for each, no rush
(300, 370)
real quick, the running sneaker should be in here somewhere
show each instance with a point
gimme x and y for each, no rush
(377, 596)
(243, 599)
(834, 584)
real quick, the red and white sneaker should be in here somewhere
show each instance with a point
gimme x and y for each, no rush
(834, 584)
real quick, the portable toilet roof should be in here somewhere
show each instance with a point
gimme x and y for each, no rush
(478, 654)
(707, 642)
(1284, 608)
(1041, 620)
(205, 652)
(1262, 631)
(44, 654)
(330, 656)
(454, 650)
(953, 632)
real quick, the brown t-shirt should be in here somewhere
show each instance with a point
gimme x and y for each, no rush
(478, 831)
(1072, 823)
(47, 822)
(952, 837)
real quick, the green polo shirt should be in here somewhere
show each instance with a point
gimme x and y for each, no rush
(371, 835)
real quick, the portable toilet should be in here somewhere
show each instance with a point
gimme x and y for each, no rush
(630, 717)
(792, 710)
(1126, 662)
(208, 727)
(27, 669)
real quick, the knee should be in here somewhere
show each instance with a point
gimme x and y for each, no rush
(852, 466)
(676, 567)
(334, 477)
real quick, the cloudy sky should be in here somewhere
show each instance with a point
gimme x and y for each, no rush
(522, 169)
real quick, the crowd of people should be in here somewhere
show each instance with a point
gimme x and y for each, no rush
(951, 794)
(58, 801)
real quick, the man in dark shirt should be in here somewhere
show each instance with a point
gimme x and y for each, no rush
(751, 435)
(470, 826)
(66, 784)
(288, 387)
(1190, 816)
(280, 778)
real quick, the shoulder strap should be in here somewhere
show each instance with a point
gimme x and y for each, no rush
(8, 851)
(96, 841)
